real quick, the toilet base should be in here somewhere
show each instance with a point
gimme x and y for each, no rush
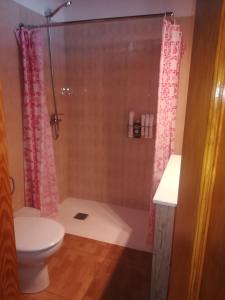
(33, 278)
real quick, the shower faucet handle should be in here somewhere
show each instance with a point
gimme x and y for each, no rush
(55, 118)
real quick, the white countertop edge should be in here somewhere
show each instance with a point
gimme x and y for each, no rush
(167, 191)
(167, 203)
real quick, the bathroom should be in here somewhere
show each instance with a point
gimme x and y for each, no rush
(101, 72)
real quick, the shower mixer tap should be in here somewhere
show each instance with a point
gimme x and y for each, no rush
(54, 121)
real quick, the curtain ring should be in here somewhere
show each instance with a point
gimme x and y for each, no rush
(173, 18)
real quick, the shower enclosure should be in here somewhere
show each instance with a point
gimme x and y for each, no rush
(112, 66)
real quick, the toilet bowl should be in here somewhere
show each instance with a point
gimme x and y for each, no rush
(37, 239)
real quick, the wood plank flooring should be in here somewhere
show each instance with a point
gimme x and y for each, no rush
(85, 269)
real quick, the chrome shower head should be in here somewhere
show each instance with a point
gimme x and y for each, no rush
(49, 13)
(68, 3)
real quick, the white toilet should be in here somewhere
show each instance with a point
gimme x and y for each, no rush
(37, 239)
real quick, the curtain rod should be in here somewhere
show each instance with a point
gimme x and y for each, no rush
(78, 22)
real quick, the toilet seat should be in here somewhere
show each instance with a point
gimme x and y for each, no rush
(36, 233)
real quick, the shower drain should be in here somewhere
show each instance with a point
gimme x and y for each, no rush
(81, 216)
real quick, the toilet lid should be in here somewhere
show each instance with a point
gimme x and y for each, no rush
(37, 233)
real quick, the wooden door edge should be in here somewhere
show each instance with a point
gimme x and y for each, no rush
(9, 285)
(214, 135)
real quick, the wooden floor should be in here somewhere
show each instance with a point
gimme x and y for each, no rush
(85, 269)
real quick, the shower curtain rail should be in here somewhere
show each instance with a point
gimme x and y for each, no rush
(79, 22)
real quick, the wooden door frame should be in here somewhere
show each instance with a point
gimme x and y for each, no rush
(210, 134)
(210, 164)
(9, 287)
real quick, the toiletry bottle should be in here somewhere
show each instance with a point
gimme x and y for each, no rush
(137, 129)
(131, 124)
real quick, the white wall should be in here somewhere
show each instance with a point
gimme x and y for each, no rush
(39, 6)
(86, 9)
(91, 9)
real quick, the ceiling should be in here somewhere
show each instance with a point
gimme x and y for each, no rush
(86, 9)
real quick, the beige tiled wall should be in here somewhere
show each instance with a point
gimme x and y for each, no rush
(113, 67)
(59, 69)
(187, 25)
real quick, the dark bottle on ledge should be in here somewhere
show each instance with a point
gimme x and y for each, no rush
(137, 129)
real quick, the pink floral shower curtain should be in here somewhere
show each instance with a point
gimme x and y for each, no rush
(39, 166)
(171, 52)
